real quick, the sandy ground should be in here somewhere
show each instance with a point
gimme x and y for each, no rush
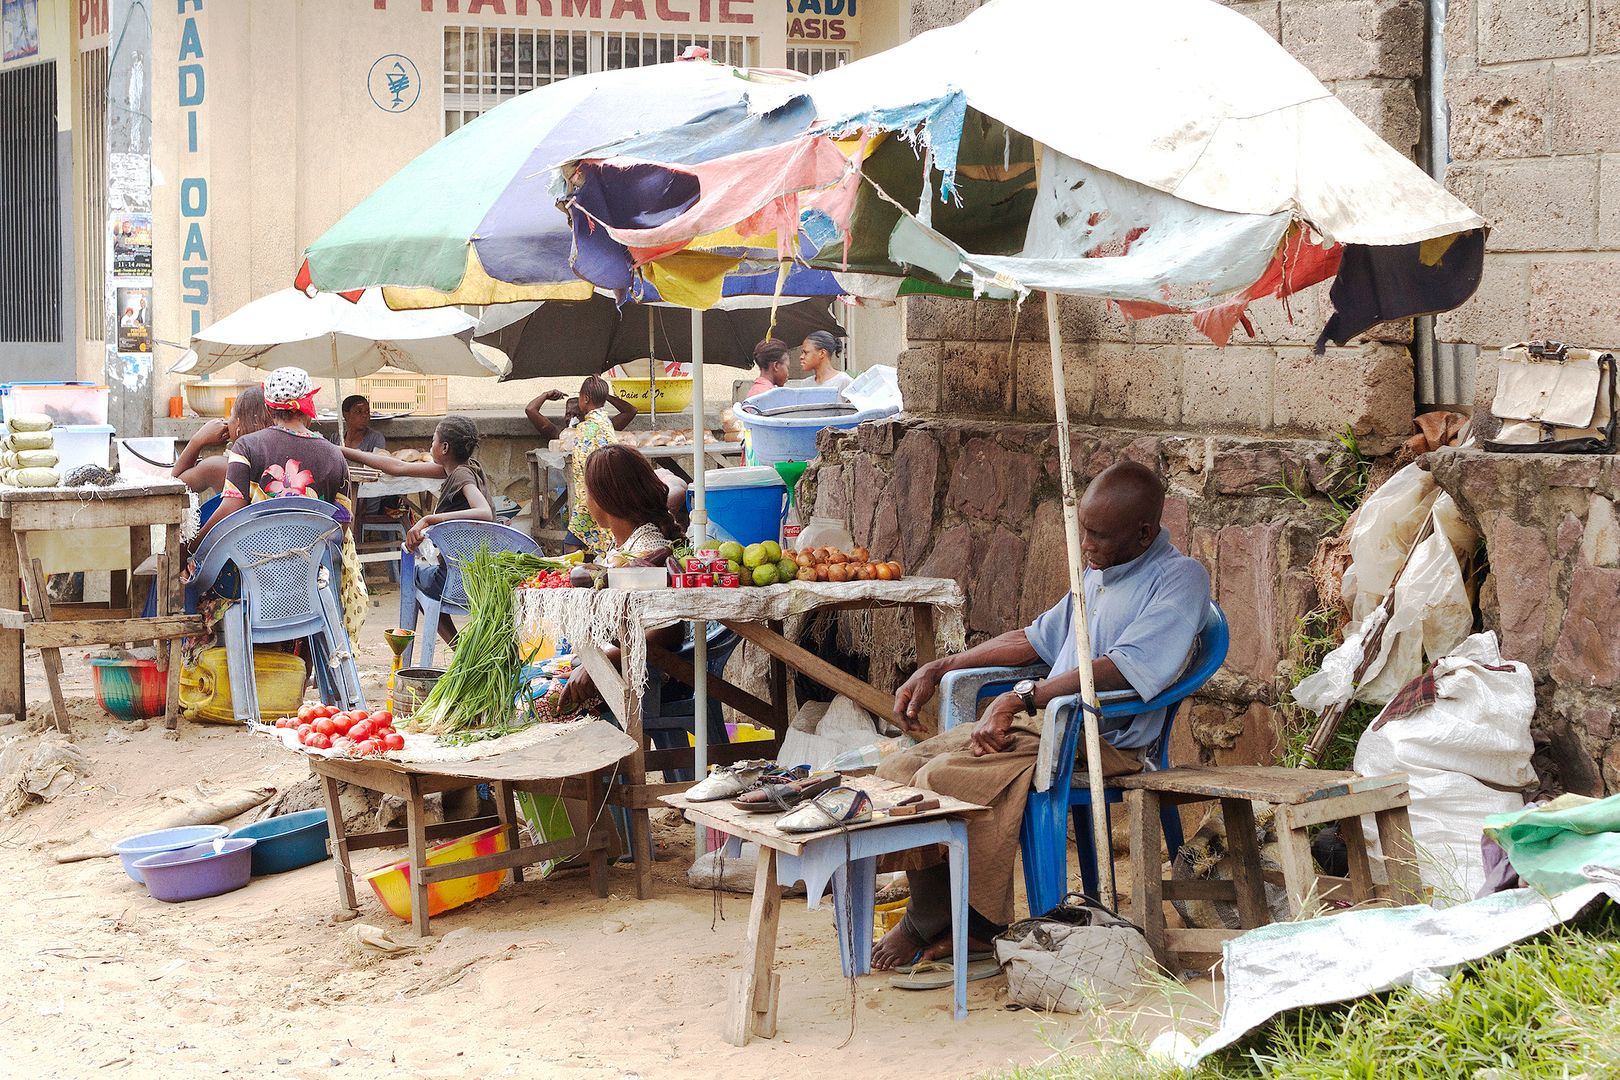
(542, 979)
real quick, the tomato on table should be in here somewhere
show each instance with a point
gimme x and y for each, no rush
(393, 741)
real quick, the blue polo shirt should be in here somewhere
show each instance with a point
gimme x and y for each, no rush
(1144, 616)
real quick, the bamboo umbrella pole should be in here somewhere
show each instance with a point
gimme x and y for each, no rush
(1101, 841)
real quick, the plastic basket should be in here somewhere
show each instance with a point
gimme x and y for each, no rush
(406, 391)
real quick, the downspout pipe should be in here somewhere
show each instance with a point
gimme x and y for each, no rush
(1433, 155)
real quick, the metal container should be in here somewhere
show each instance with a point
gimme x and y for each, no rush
(411, 688)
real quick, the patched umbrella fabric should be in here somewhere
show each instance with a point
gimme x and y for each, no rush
(334, 336)
(1189, 163)
(474, 220)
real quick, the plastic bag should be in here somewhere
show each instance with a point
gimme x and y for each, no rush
(1466, 756)
(1386, 525)
(1077, 956)
(878, 387)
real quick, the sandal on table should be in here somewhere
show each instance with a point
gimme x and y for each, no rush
(830, 810)
(729, 781)
(772, 798)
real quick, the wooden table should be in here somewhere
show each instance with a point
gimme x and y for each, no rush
(1300, 798)
(548, 521)
(632, 614)
(135, 507)
(848, 857)
(583, 771)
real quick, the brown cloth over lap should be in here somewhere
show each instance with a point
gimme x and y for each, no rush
(946, 764)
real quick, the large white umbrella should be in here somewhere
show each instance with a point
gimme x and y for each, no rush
(332, 336)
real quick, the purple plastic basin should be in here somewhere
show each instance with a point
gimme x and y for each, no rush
(132, 849)
(195, 872)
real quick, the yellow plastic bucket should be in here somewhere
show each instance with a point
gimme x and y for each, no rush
(205, 690)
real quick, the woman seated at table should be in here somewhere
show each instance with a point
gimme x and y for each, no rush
(464, 497)
(628, 500)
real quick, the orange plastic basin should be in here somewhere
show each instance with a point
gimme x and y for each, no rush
(392, 884)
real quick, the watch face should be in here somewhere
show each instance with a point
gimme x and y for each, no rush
(1024, 686)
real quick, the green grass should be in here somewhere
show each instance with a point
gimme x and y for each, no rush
(1546, 1008)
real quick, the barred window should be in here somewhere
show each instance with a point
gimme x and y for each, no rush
(92, 165)
(809, 60)
(30, 207)
(484, 66)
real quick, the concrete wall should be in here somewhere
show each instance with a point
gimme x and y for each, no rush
(1535, 146)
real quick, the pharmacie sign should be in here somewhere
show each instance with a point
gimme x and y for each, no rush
(823, 20)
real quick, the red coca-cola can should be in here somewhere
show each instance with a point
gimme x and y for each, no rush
(728, 580)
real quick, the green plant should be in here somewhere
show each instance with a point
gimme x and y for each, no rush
(1348, 471)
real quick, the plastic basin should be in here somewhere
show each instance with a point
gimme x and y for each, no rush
(392, 884)
(211, 398)
(132, 849)
(129, 689)
(195, 872)
(286, 842)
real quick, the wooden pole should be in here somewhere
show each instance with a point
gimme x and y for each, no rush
(699, 533)
(1100, 838)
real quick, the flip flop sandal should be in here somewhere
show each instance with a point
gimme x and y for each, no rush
(938, 974)
(830, 810)
(730, 781)
(773, 798)
(973, 957)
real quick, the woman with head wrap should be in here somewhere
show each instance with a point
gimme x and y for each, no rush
(818, 356)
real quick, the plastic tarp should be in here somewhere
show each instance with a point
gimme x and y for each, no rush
(1550, 845)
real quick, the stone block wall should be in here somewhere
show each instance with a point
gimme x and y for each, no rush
(1552, 537)
(976, 500)
(1535, 146)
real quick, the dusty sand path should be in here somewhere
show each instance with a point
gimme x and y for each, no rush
(543, 979)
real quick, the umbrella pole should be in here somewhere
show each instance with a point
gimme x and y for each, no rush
(1101, 841)
(700, 533)
(337, 388)
(652, 372)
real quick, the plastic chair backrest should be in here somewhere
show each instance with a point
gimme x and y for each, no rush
(459, 541)
(278, 547)
(1208, 654)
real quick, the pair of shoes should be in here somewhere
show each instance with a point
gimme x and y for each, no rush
(726, 781)
(936, 974)
(830, 810)
(777, 792)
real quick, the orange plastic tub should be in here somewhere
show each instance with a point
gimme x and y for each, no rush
(392, 884)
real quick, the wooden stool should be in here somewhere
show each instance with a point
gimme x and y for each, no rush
(1300, 798)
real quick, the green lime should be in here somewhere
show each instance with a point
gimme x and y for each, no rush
(765, 575)
(754, 555)
(787, 569)
(732, 552)
(773, 550)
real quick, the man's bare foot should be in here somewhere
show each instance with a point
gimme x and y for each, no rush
(896, 947)
(941, 949)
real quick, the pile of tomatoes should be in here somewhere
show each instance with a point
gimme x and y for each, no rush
(548, 579)
(357, 733)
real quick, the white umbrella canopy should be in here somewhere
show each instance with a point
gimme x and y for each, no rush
(331, 336)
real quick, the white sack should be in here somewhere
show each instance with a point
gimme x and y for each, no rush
(1466, 756)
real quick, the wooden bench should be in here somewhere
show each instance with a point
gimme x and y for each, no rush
(1300, 799)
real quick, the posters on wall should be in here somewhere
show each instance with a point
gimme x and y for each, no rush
(134, 320)
(19, 29)
(132, 245)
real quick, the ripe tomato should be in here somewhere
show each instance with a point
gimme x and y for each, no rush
(360, 714)
(365, 748)
(325, 727)
(304, 729)
(318, 741)
(360, 730)
(393, 741)
(343, 744)
(307, 711)
(342, 721)
(383, 717)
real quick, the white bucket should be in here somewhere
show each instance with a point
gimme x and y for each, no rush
(157, 447)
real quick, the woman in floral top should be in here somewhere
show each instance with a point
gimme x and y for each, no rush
(593, 432)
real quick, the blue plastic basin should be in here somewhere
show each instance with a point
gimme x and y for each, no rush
(131, 849)
(195, 872)
(792, 436)
(286, 842)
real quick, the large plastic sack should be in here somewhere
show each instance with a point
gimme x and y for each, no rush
(1466, 757)
(1551, 846)
(1386, 524)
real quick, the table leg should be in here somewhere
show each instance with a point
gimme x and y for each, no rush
(922, 627)
(957, 853)
(755, 988)
(641, 848)
(780, 704)
(1299, 868)
(1400, 855)
(170, 601)
(1362, 888)
(1241, 841)
(140, 548)
(506, 810)
(595, 810)
(340, 845)
(1147, 893)
(13, 699)
(39, 606)
(416, 835)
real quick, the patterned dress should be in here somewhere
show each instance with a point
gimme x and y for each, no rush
(593, 432)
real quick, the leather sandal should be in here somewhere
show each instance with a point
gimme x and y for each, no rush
(773, 798)
(830, 810)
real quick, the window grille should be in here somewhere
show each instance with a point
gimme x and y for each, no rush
(30, 207)
(92, 161)
(814, 60)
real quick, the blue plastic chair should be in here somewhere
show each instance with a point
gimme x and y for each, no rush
(667, 709)
(1044, 838)
(457, 542)
(287, 555)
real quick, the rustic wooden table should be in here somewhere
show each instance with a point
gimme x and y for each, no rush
(136, 507)
(848, 857)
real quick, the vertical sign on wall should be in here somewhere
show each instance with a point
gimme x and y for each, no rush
(192, 76)
(129, 206)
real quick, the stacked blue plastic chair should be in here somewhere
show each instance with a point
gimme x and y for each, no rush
(1044, 838)
(457, 541)
(667, 708)
(287, 555)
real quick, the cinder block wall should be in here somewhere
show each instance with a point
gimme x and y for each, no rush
(1534, 92)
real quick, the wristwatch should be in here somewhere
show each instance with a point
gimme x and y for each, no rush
(1025, 689)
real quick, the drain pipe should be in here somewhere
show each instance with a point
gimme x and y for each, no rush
(1433, 147)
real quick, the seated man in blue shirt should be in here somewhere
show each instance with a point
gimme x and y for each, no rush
(1146, 602)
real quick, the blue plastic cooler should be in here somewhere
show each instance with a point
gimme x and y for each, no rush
(747, 505)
